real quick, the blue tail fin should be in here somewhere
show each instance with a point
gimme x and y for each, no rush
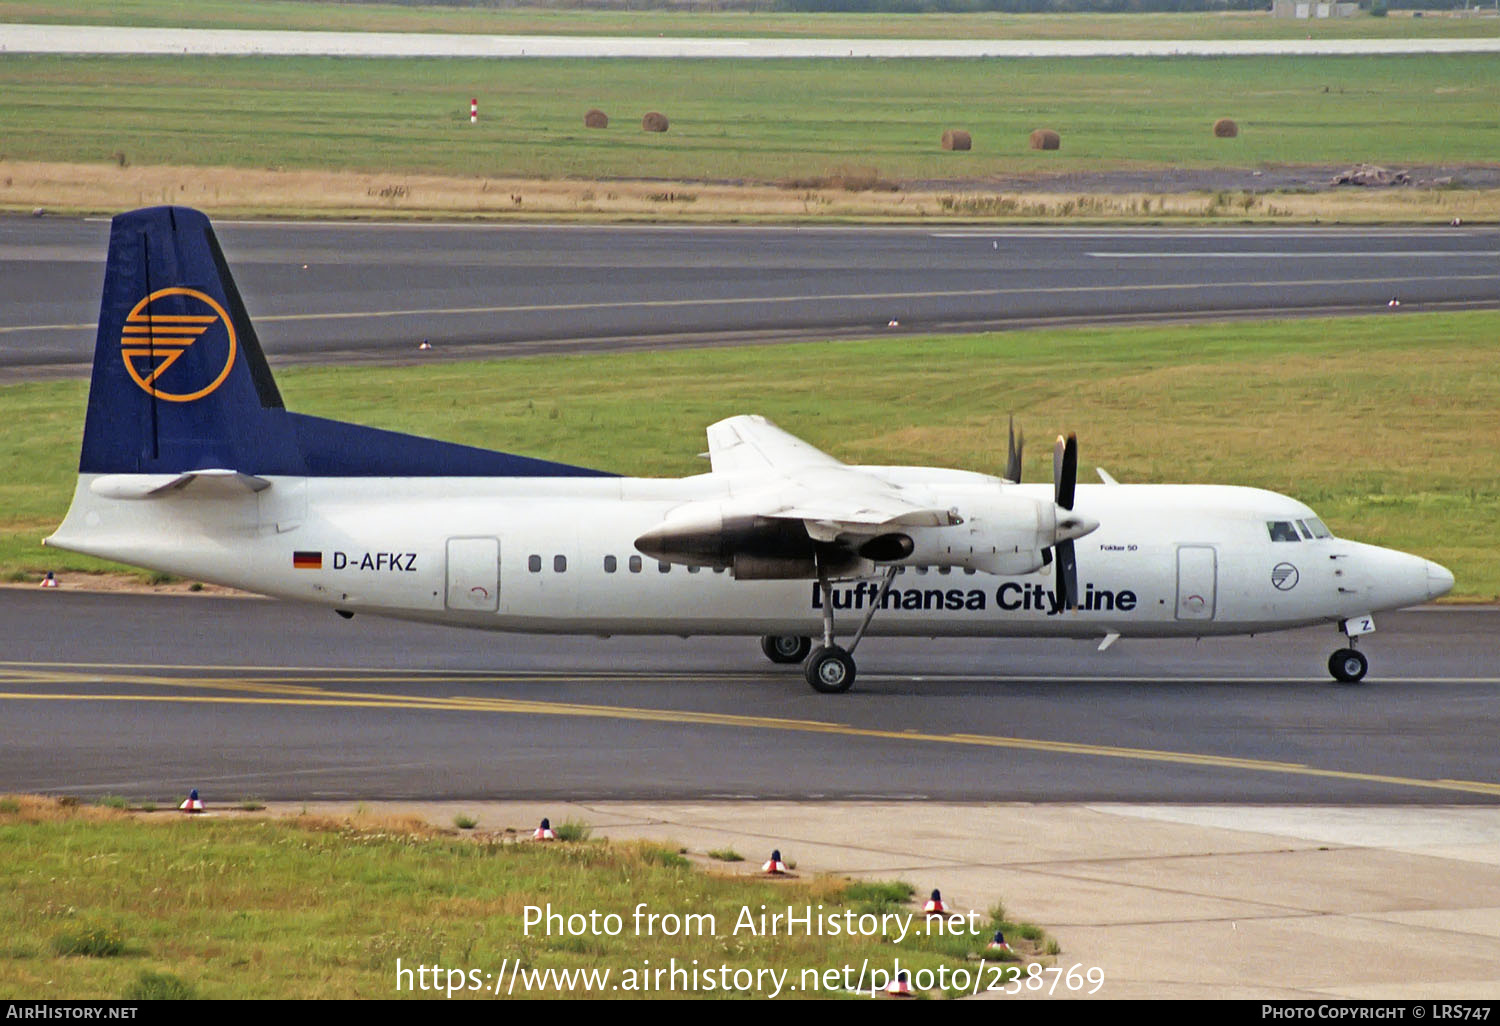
(180, 382)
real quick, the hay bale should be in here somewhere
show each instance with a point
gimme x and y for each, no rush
(596, 118)
(654, 122)
(1045, 139)
(957, 139)
(1225, 129)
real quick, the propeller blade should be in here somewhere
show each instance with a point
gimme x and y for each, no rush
(1065, 470)
(1067, 574)
(1013, 454)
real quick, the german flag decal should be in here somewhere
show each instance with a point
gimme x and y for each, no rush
(307, 560)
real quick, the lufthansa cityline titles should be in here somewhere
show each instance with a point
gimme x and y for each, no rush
(1010, 596)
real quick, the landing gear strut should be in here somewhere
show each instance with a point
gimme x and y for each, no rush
(829, 668)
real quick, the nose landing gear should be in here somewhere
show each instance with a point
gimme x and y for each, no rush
(1348, 665)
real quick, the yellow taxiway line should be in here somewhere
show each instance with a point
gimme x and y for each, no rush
(268, 690)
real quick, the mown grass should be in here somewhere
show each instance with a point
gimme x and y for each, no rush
(1384, 424)
(102, 905)
(762, 121)
(566, 19)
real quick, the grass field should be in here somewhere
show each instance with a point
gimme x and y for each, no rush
(100, 904)
(745, 120)
(297, 14)
(1386, 425)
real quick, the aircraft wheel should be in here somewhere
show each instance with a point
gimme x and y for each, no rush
(829, 670)
(1348, 666)
(785, 648)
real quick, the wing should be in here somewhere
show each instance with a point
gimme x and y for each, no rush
(786, 478)
(745, 445)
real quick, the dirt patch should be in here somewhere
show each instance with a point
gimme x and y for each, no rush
(1301, 178)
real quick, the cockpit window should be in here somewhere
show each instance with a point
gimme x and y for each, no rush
(1306, 533)
(1318, 528)
(1282, 531)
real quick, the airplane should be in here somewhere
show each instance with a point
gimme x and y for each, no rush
(191, 465)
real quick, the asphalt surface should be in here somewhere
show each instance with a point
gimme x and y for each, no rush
(345, 292)
(112, 39)
(145, 696)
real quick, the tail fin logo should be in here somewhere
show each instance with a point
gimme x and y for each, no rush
(161, 328)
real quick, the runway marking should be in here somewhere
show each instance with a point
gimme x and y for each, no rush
(637, 304)
(1289, 254)
(1208, 233)
(1021, 231)
(290, 694)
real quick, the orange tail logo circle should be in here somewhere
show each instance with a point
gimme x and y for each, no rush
(150, 343)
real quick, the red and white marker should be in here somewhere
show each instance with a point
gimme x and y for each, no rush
(998, 944)
(49, 581)
(900, 986)
(193, 802)
(474, 111)
(774, 866)
(544, 832)
(935, 906)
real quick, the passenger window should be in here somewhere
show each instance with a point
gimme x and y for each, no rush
(610, 565)
(559, 564)
(635, 564)
(534, 564)
(1282, 531)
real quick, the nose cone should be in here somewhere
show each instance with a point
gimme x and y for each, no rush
(1439, 580)
(1070, 525)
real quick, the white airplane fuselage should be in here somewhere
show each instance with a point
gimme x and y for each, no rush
(557, 555)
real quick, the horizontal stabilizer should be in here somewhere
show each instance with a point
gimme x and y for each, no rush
(204, 483)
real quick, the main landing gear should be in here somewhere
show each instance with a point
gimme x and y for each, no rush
(1348, 665)
(785, 648)
(827, 667)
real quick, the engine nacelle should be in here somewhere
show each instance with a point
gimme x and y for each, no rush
(1001, 534)
(751, 547)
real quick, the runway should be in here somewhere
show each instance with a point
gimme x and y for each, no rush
(340, 292)
(112, 39)
(144, 696)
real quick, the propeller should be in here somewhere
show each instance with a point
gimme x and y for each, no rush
(1013, 454)
(1069, 524)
